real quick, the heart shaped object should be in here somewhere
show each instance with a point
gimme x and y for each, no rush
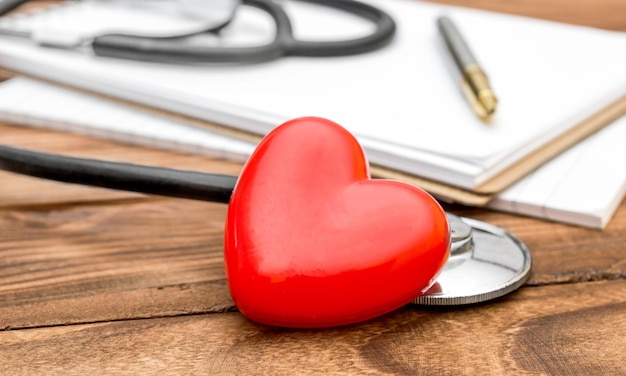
(312, 241)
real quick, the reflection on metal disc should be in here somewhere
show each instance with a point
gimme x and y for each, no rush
(485, 263)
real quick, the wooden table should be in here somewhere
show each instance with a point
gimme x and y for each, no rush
(93, 280)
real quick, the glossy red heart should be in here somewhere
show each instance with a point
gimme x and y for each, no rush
(312, 241)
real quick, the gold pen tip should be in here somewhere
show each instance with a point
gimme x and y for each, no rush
(488, 101)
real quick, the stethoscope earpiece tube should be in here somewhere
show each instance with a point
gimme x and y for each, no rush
(172, 50)
(385, 29)
(8, 5)
(175, 50)
(122, 176)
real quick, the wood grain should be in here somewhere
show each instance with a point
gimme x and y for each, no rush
(604, 14)
(574, 329)
(117, 260)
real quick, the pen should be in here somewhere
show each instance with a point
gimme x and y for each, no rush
(474, 82)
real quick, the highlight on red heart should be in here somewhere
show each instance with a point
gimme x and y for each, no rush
(312, 241)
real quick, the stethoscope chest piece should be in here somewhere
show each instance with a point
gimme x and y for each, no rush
(486, 262)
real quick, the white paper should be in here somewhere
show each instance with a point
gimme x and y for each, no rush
(583, 186)
(36, 104)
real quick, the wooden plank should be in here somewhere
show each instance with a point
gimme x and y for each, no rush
(573, 329)
(71, 254)
(605, 14)
(62, 264)
(111, 260)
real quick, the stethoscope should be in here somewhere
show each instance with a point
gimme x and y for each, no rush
(174, 49)
(485, 263)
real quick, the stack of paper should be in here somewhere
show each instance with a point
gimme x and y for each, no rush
(576, 188)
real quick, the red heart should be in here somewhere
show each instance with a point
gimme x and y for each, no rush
(312, 241)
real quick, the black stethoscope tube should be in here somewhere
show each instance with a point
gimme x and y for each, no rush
(284, 44)
(8, 5)
(176, 50)
(121, 176)
(494, 244)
